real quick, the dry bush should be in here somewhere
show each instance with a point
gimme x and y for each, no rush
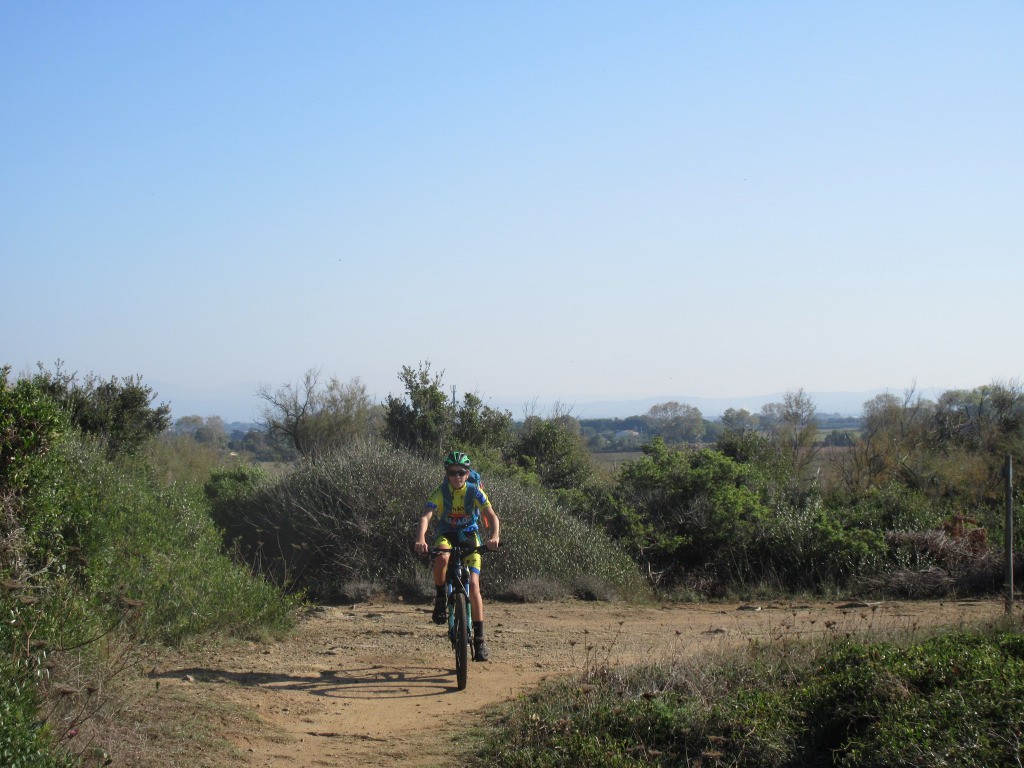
(941, 563)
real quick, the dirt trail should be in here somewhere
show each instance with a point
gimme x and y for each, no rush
(374, 683)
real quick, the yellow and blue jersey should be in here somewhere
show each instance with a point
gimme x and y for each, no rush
(462, 511)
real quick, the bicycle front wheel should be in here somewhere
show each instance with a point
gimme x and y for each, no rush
(461, 640)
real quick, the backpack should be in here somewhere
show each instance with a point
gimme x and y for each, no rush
(473, 482)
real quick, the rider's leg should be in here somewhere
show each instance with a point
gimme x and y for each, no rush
(440, 599)
(440, 567)
(480, 653)
(475, 598)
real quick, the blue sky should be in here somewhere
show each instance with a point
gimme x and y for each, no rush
(574, 201)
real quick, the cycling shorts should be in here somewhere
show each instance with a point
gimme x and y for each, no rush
(448, 539)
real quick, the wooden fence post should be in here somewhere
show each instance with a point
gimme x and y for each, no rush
(1008, 475)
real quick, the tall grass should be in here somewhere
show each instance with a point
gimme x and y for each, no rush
(342, 525)
(154, 549)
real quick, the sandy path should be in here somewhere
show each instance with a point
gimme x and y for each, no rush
(374, 683)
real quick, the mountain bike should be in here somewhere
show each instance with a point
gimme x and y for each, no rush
(460, 612)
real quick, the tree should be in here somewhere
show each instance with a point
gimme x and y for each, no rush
(988, 419)
(212, 432)
(972, 433)
(187, 425)
(481, 426)
(793, 427)
(676, 422)
(312, 418)
(423, 419)
(119, 410)
(430, 424)
(554, 449)
(739, 421)
(891, 445)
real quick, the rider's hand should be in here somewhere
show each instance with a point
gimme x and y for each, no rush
(492, 544)
(421, 547)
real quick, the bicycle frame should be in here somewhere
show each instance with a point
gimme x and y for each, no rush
(457, 580)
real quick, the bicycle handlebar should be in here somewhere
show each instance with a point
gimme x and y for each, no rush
(461, 549)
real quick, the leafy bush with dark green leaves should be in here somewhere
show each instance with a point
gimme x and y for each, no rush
(893, 507)
(30, 424)
(686, 510)
(954, 699)
(119, 410)
(348, 518)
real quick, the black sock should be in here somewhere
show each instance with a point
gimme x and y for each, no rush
(478, 630)
(440, 591)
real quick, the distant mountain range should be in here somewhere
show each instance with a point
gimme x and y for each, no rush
(239, 403)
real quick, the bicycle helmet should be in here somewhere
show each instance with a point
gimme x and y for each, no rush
(457, 459)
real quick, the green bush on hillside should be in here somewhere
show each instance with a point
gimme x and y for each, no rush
(153, 550)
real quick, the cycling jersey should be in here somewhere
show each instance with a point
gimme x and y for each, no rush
(458, 509)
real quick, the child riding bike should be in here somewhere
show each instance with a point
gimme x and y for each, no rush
(459, 504)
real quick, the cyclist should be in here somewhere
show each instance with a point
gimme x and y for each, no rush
(459, 506)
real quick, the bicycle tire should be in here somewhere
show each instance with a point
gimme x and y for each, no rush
(461, 640)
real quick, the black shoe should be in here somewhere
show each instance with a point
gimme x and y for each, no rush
(480, 652)
(440, 615)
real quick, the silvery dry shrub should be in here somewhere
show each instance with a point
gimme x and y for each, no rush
(349, 517)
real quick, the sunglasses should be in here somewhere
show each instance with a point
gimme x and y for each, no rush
(457, 472)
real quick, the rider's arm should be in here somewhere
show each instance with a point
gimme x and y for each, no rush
(420, 544)
(493, 525)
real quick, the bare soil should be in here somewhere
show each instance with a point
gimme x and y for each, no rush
(375, 684)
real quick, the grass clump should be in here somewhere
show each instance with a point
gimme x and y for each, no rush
(953, 699)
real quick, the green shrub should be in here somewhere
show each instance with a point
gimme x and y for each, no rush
(31, 426)
(95, 544)
(684, 510)
(804, 547)
(954, 699)
(894, 507)
(157, 545)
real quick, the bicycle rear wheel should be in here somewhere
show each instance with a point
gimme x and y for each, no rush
(461, 640)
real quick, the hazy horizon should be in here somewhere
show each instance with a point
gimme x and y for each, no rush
(236, 403)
